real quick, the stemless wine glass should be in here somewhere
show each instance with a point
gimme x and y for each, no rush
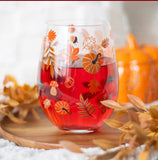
(77, 71)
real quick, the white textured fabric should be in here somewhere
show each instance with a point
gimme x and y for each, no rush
(10, 151)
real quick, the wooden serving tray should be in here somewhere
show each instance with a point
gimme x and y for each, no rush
(42, 134)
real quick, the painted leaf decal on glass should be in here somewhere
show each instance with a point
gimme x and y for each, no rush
(86, 109)
(110, 79)
(72, 54)
(93, 86)
(51, 35)
(75, 51)
(89, 42)
(105, 43)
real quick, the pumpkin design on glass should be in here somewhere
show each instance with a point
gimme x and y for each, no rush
(53, 90)
(91, 63)
(62, 107)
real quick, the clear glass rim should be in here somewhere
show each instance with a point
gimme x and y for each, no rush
(78, 23)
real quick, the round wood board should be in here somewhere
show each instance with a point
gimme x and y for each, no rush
(42, 134)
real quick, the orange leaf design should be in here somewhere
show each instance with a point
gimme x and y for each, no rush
(93, 86)
(72, 52)
(76, 58)
(75, 51)
(51, 35)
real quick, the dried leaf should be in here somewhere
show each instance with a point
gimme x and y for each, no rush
(23, 98)
(153, 127)
(3, 106)
(126, 127)
(12, 102)
(123, 153)
(143, 155)
(120, 113)
(107, 156)
(141, 136)
(132, 142)
(9, 78)
(23, 113)
(37, 117)
(15, 119)
(133, 116)
(154, 111)
(71, 146)
(122, 137)
(104, 144)
(156, 145)
(111, 104)
(137, 102)
(113, 123)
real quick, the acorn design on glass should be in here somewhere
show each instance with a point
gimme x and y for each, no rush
(91, 63)
(53, 90)
(62, 107)
(73, 39)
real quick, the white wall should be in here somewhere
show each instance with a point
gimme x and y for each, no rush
(22, 25)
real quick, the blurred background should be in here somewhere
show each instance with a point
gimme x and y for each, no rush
(22, 26)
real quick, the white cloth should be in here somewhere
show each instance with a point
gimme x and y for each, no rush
(10, 151)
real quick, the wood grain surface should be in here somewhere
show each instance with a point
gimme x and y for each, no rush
(43, 134)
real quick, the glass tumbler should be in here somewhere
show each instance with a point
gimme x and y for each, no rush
(77, 71)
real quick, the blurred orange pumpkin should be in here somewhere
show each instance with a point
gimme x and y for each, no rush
(138, 71)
